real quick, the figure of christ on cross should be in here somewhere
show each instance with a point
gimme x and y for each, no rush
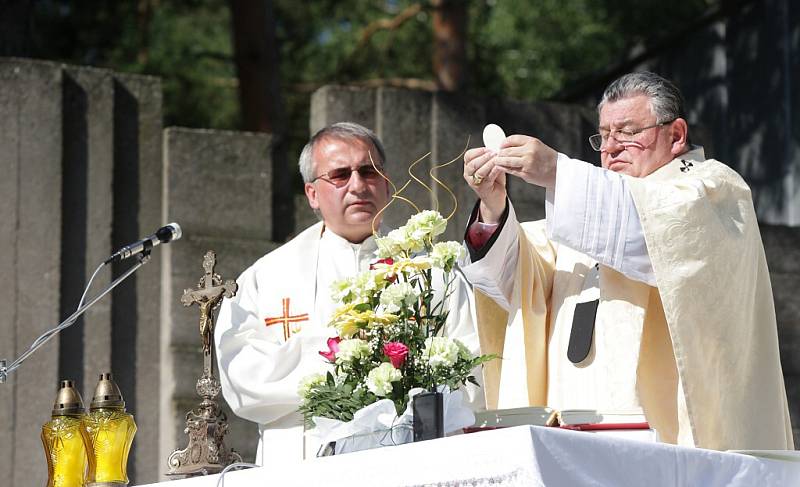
(285, 319)
(208, 295)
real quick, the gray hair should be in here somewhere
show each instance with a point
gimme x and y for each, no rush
(666, 100)
(341, 130)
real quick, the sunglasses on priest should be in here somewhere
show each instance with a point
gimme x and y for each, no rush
(341, 175)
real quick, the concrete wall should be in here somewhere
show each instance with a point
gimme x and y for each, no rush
(87, 169)
(81, 161)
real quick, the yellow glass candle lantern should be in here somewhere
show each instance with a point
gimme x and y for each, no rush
(63, 441)
(109, 432)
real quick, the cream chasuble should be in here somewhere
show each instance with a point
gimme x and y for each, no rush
(269, 335)
(719, 386)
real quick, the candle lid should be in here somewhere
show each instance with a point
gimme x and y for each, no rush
(68, 401)
(107, 394)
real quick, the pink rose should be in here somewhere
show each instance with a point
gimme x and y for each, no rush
(333, 349)
(387, 261)
(397, 353)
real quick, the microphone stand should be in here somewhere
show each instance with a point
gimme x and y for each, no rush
(143, 258)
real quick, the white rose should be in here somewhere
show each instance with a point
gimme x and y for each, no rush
(440, 351)
(426, 225)
(445, 254)
(389, 246)
(398, 295)
(406, 240)
(379, 379)
(359, 288)
(352, 349)
(341, 289)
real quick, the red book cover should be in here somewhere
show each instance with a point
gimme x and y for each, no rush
(606, 426)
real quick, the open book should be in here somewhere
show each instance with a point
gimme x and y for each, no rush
(577, 418)
(505, 418)
(628, 423)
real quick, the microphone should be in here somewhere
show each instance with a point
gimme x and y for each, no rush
(165, 234)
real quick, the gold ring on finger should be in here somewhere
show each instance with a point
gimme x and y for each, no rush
(476, 180)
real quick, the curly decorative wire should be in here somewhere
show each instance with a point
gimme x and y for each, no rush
(446, 188)
(396, 192)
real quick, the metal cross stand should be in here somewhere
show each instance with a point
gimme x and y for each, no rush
(206, 424)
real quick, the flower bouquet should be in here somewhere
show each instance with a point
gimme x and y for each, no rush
(391, 342)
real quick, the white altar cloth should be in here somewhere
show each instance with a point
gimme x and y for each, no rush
(520, 456)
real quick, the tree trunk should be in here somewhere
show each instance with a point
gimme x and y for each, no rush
(450, 40)
(256, 57)
(144, 16)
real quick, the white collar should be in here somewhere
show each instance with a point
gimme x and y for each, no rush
(331, 237)
(695, 153)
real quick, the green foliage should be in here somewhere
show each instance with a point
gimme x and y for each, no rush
(522, 49)
(186, 43)
(320, 42)
(531, 50)
(193, 46)
(335, 402)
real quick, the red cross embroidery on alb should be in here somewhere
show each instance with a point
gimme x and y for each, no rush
(286, 319)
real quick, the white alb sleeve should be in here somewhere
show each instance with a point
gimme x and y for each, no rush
(592, 211)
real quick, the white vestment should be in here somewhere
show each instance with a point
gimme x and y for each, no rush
(269, 335)
(698, 351)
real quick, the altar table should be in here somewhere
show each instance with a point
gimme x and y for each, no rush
(520, 456)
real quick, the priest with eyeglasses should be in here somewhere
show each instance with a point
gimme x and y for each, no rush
(269, 336)
(645, 288)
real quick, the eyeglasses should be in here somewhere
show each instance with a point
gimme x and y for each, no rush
(624, 137)
(340, 176)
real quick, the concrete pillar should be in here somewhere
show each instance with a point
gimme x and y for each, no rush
(137, 212)
(403, 122)
(783, 259)
(456, 119)
(331, 104)
(30, 229)
(88, 127)
(218, 188)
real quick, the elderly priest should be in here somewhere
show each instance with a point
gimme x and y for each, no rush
(645, 287)
(269, 335)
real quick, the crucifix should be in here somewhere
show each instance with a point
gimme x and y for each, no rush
(207, 424)
(208, 295)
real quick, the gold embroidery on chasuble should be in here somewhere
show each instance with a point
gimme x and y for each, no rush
(291, 323)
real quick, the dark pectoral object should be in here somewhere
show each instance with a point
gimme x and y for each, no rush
(428, 409)
(580, 339)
